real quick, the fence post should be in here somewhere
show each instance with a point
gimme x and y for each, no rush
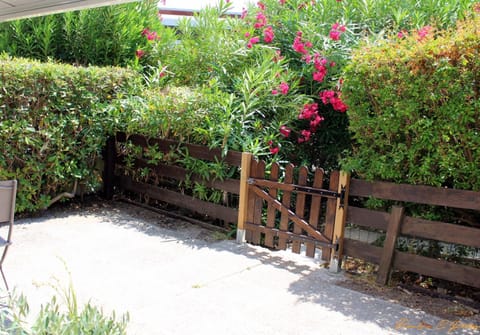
(109, 155)
(243, 202)
(340, 220)
(394, 223)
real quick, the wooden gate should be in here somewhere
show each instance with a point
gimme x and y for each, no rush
(267, 217)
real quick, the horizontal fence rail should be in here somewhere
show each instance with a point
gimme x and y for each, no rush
(160, 190)
(397, 225)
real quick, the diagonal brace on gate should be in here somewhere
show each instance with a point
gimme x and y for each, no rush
(311, 231)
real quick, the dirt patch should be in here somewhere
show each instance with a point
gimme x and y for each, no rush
(360, 277)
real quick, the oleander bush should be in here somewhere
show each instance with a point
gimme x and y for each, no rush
(53, 125)
(414, 104)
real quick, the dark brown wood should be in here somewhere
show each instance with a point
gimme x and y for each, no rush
(300, 208)
(181, 174)
(290, 215)
(286, 197)
(289, 236)
(258, 172)
(394, 224)
(416, 193)
(233, 158)
(362, 250)
(441, 231)
(297, 188)
(202, 207)
(437, 268)
(315, 209)
(367, 218)
(330, 214)
(109, 158)
(271, 211)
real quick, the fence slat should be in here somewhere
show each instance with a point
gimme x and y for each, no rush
(330, 215)
(441, 231)
(368, 218)
(358, 249)
(233, 158)
(394, 224)
(286, 197)
(437, 268)
(271, 211)
(416, 193)
(202, 207)
(340, 220)
(258, 172)
(244, 193)
(315, 209)
(300, 207)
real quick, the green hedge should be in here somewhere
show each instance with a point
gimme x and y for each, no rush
(415, 106)
(53, 125)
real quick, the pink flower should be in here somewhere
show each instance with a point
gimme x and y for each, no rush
(285, 131)
(268, 35)
(145, 32)
(139, 53)
(335, 35)
(319, 75)
(338, 105)
(308, 111)
(274, 92)
(326, 96)
(402, 34)
(282, 2)
(305, 136)
(273, 150)
(315, 122)
(247, 34)
(261, 5)
(336, 31)
(298, 46)
(261, 21)
(252, 41)
(422, 33)
(244, 13)
(308, 44)
(284, 88)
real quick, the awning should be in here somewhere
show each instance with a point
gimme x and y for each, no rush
(18, 9)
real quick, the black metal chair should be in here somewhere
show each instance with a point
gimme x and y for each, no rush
(8, 192)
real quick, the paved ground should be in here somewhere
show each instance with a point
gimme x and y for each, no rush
(176, 278)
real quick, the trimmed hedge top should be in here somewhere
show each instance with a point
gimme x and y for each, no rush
(415, 106)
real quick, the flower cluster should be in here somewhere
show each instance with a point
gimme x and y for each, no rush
(309, 112)
(150, 35)
(333, 98)
(273, 148)
(337, 31)
(423, 33)
(282, 88)
(300, 46)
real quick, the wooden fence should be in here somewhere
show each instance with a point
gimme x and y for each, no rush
(299, 212)
(115, 175)
(397, 224)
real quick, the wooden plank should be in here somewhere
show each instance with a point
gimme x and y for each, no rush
(368, 218)
(441, 231)
(362, 250)
(301, 189)
(244, 193)
(290, 215)
(394, 224)
(315, 209)
(300, 207)
(251, 200)
(330, 214)
(416, 193)
(195, 205)
(437, 268)
(181, 174)
(340, 220)
(258, 172)
(286, 197)
(289, 236)
(233, 158)
(271, 211)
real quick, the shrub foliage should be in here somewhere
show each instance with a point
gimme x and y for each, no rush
(414, 107)
(52, 125)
